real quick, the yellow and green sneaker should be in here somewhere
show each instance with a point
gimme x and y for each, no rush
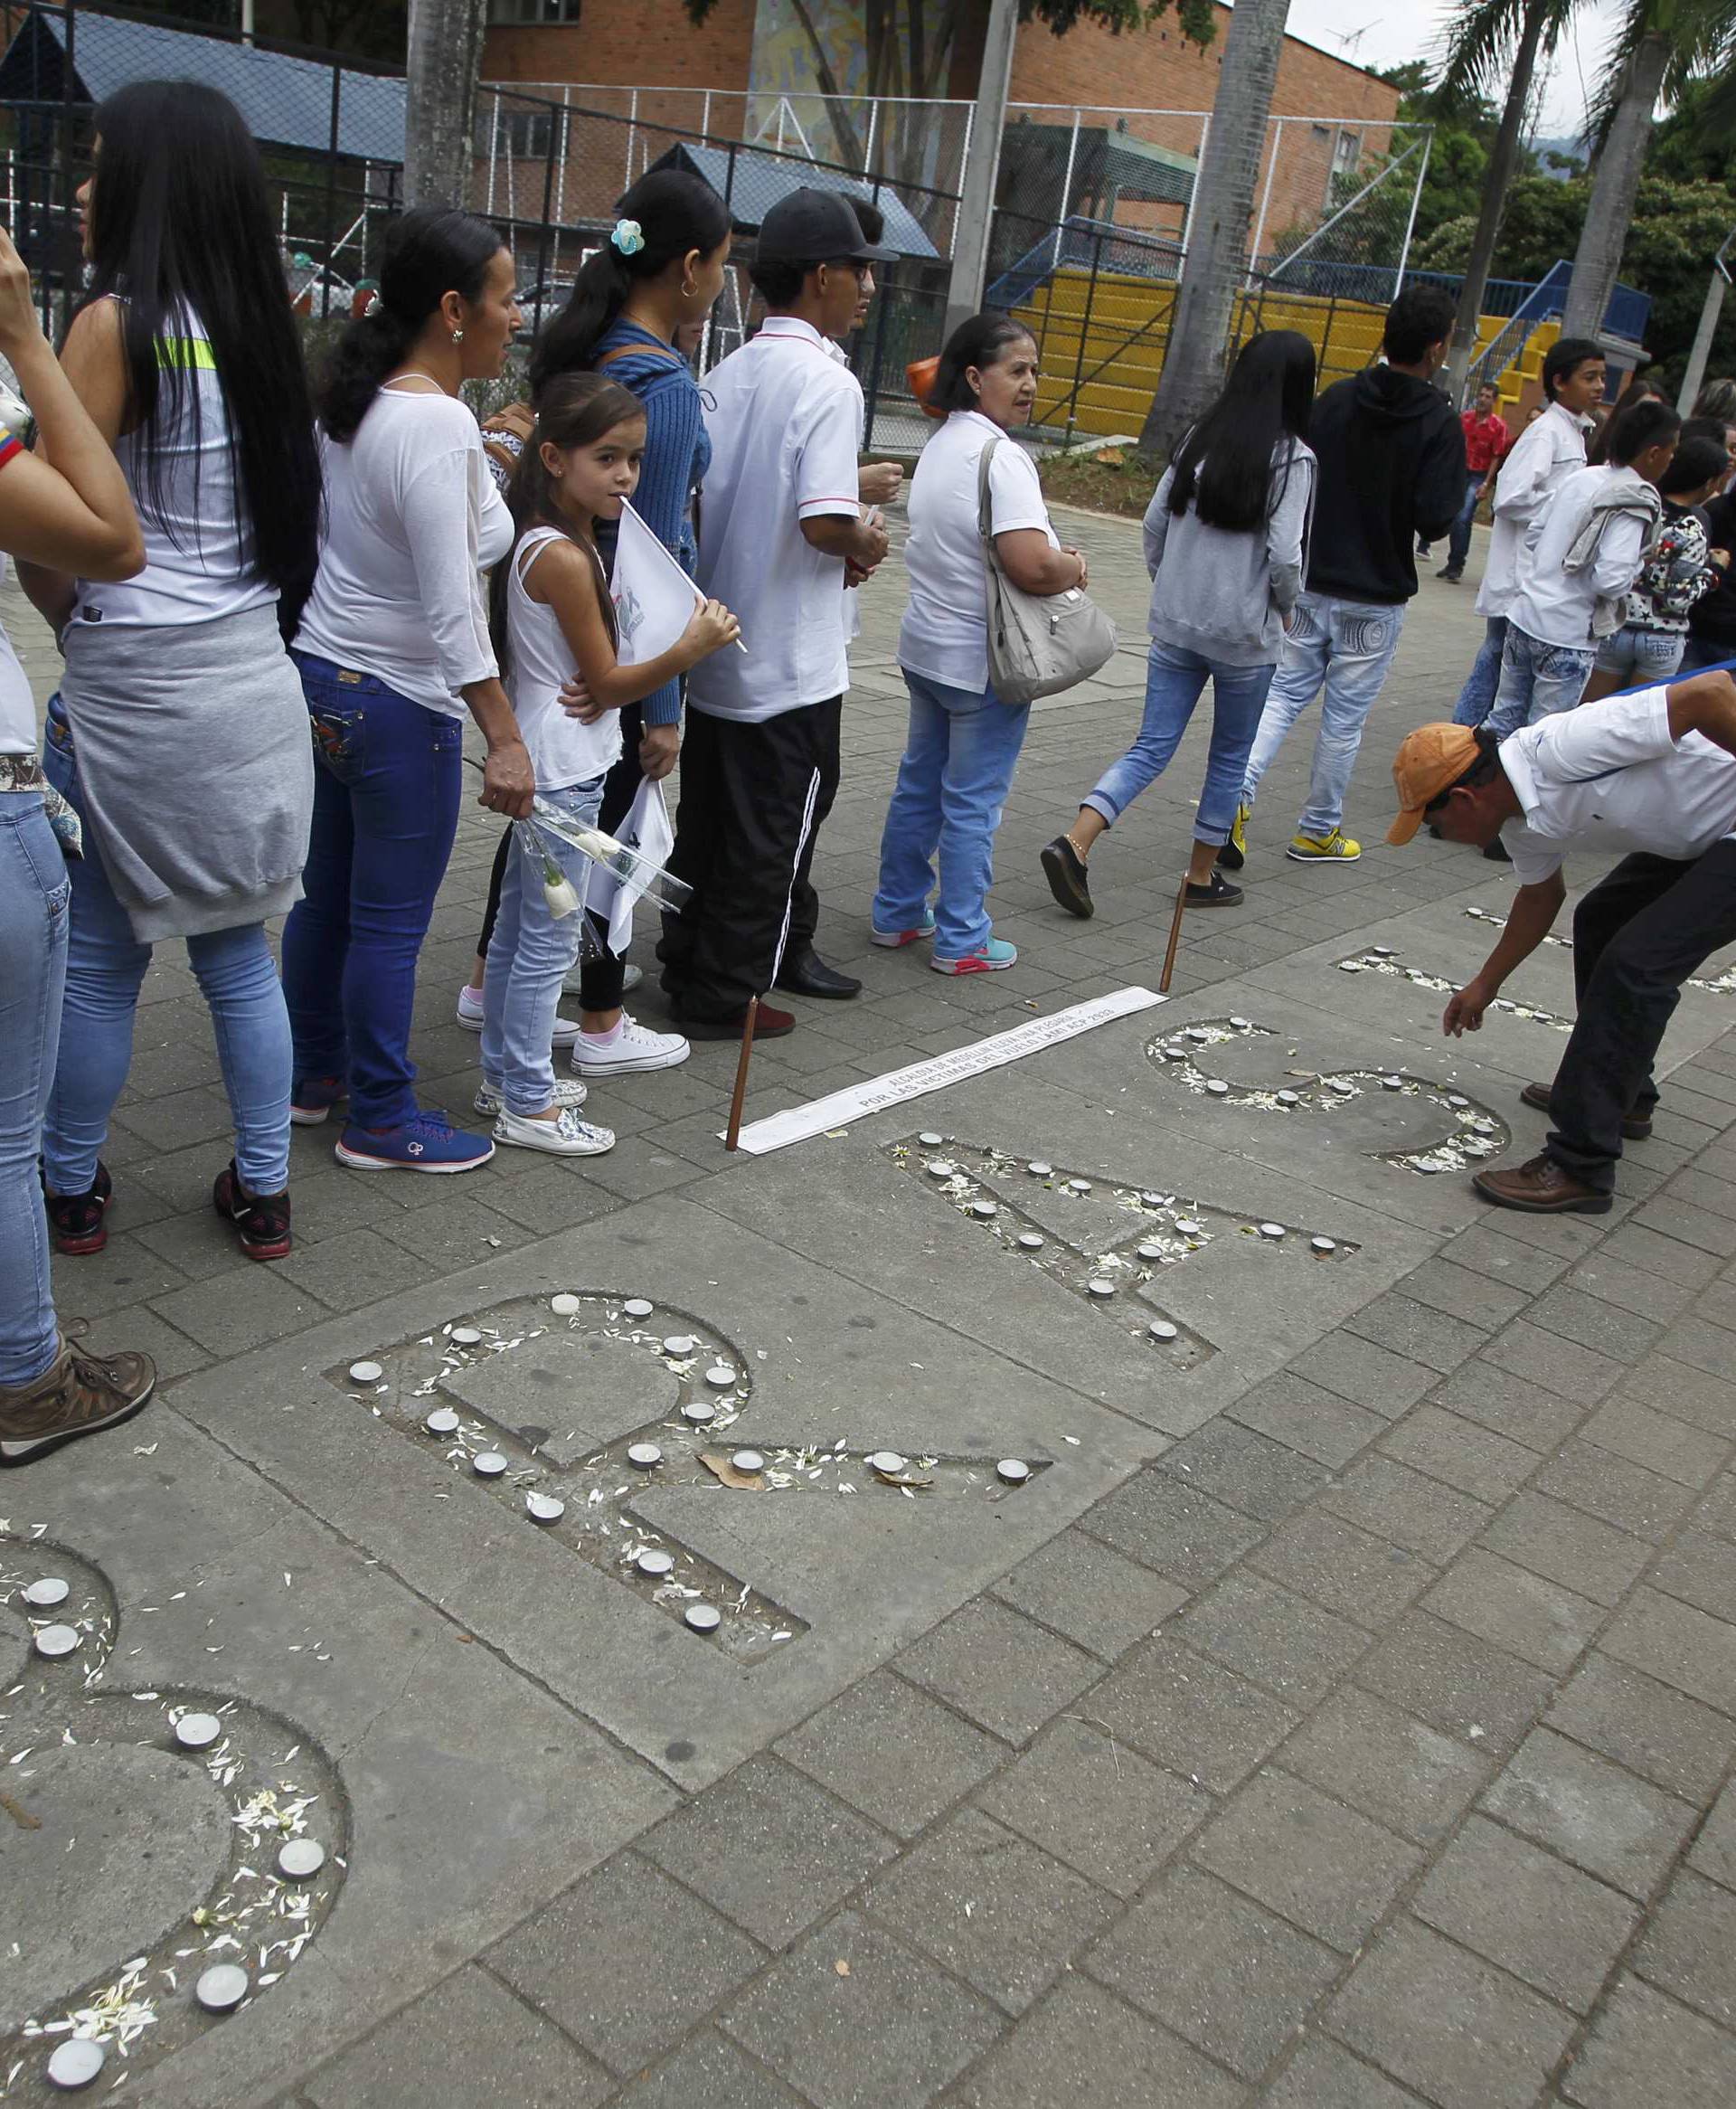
(1335, 849)
(1234, 853)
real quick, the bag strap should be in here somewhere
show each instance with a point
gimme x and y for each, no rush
(984, 516)
(670, 361)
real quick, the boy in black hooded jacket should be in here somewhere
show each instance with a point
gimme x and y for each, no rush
(1392, 457)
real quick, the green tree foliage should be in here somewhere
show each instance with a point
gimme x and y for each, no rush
(1676, 227)
(1458, 159)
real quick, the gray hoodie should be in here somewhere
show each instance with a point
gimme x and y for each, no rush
(1222, 594)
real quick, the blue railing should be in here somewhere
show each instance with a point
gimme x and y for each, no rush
(1082, 241)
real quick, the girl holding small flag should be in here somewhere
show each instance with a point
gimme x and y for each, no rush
(551, 618)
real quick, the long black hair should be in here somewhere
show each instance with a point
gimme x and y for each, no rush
(432, 251)
(1224, 467)
(576, 410)
(674, 213)
(179, 223)
(978, 341)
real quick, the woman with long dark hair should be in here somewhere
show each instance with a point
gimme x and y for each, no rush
(657, 275)
(394, 653)
(178, 733)
(1226, 545)
(1597, 455)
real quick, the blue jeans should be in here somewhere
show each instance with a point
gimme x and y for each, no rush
(1347, 645)
(34, 891)
(105, 968)
(530, 954)
(1641, 657)
(385, 812)
(1477, 698)
(1536, 680)
(959, 762)
(1175, 681)
(1459, 539)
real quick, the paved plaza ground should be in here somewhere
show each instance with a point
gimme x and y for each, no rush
(1341, 1715)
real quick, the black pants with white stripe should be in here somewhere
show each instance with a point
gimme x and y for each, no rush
(1637, 935)
(752, 799)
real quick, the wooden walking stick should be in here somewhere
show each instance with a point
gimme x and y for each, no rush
(733, 1139)
(1175, 938)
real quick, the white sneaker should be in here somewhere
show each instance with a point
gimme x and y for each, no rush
(633, 1046)
(470, 1016)
(631, 977)
(566, 1093)
(567, 1137)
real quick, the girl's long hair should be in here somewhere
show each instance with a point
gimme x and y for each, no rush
(675, 212)
(180, 223)
(576, 410)
(430, 252)
(1225, 465)
(1637, 390)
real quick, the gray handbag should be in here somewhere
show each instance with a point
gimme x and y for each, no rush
(1037, 645)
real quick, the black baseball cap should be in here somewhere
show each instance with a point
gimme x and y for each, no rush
(811, 227)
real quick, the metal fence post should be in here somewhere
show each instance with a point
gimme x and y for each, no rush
(1410, 223)
(1084, 327)
(331, 196)
(1276, 127)
(69, 140)
(1067, 187)
(877, 360)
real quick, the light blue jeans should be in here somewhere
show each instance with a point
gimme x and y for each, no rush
(1536, 681)
(35, 893)
(1345, 646)
(530, 955)
(1175, 679)
(1642, 657)
(959, 756)
(1477, 698)
(105, 968)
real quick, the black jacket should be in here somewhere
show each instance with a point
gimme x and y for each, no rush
(1391, 455)
(1711, 621)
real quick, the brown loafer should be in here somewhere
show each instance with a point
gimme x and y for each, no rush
(1634, 1127)
(1540, 1188)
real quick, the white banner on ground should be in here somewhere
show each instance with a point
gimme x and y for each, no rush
(645, 827)
(920, 1078)
(654, 597)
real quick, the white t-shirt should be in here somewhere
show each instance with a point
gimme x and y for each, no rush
(785, 424)
(198, 550)
(17, 704)
(1608, 778)
(1543, 456)
(411, 518)
(945, 632)
(562, 750)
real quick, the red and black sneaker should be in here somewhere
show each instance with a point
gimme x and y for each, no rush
(76, 1220)
(262, 1219)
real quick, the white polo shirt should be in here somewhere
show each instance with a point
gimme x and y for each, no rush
(945, 631)
(785, 422)
(1543, 456)
(1608, 778)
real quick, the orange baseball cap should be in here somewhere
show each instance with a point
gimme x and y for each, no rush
(1429, 761)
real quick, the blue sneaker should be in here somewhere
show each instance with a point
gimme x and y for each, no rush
(893, 939)
(988, 958)
(314, 1097)
(427, 1142)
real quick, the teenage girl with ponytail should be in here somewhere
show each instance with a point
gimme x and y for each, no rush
(394, 650)
(658, 273)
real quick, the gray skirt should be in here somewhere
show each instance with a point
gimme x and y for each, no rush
(195, 769)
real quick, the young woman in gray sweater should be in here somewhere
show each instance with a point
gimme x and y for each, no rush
(1226, 537)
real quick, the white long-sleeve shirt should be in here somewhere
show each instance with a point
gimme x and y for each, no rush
(1544, 456)
(1555, 605)
(411, 519)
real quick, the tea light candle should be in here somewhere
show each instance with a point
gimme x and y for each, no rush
(1161, 1330)
(565, 1305)
(75, 2062)
(465, 1335)
(1322, 1244)
(442, 1421)
(680, 1345)
(644, 1456)
(1216, 1086)
(720, 1375)
(748, 1461)
(704, 1618)
(701, 1412)
(488, 1464)
(1271, 1230)
(57, 1641)
(1031, 1240)
(1014, 1470)
(301, 1858)
(45, 1595)
(1038, 1169)
(544, 1507)
(931, 1139)
(637, 1307)
(365, 1373)
(197, 1731)
(221, 1988)
(886, 1460)
(656, 1564)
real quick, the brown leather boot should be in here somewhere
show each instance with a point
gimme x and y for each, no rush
(1634, 1127)
(1540, 1188)
(76, 1394)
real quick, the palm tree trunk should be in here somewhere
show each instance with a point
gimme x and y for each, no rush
(1218, 225)
(445, 53)
(1613, 182)
(1497, 179)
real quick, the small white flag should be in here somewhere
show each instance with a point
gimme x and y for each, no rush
(647, 830)
(654, 597)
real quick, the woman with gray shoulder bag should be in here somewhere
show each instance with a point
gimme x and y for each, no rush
(997, 616)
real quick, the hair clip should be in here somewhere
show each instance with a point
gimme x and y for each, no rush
(629, 237)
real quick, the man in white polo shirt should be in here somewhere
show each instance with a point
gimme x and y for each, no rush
(1653, 775)
(781, 530)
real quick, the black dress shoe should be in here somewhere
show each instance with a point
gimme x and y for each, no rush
(810, 975)
(1064, 869)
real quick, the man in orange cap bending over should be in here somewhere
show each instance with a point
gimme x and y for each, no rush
(1652, 775)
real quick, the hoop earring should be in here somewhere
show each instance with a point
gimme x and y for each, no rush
(688, 292)
(457, 336)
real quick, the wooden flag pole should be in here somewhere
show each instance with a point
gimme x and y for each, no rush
(1175, 938)
(733, 1138)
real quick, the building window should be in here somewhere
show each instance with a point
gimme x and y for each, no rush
(1346, 152)
(534, 11)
